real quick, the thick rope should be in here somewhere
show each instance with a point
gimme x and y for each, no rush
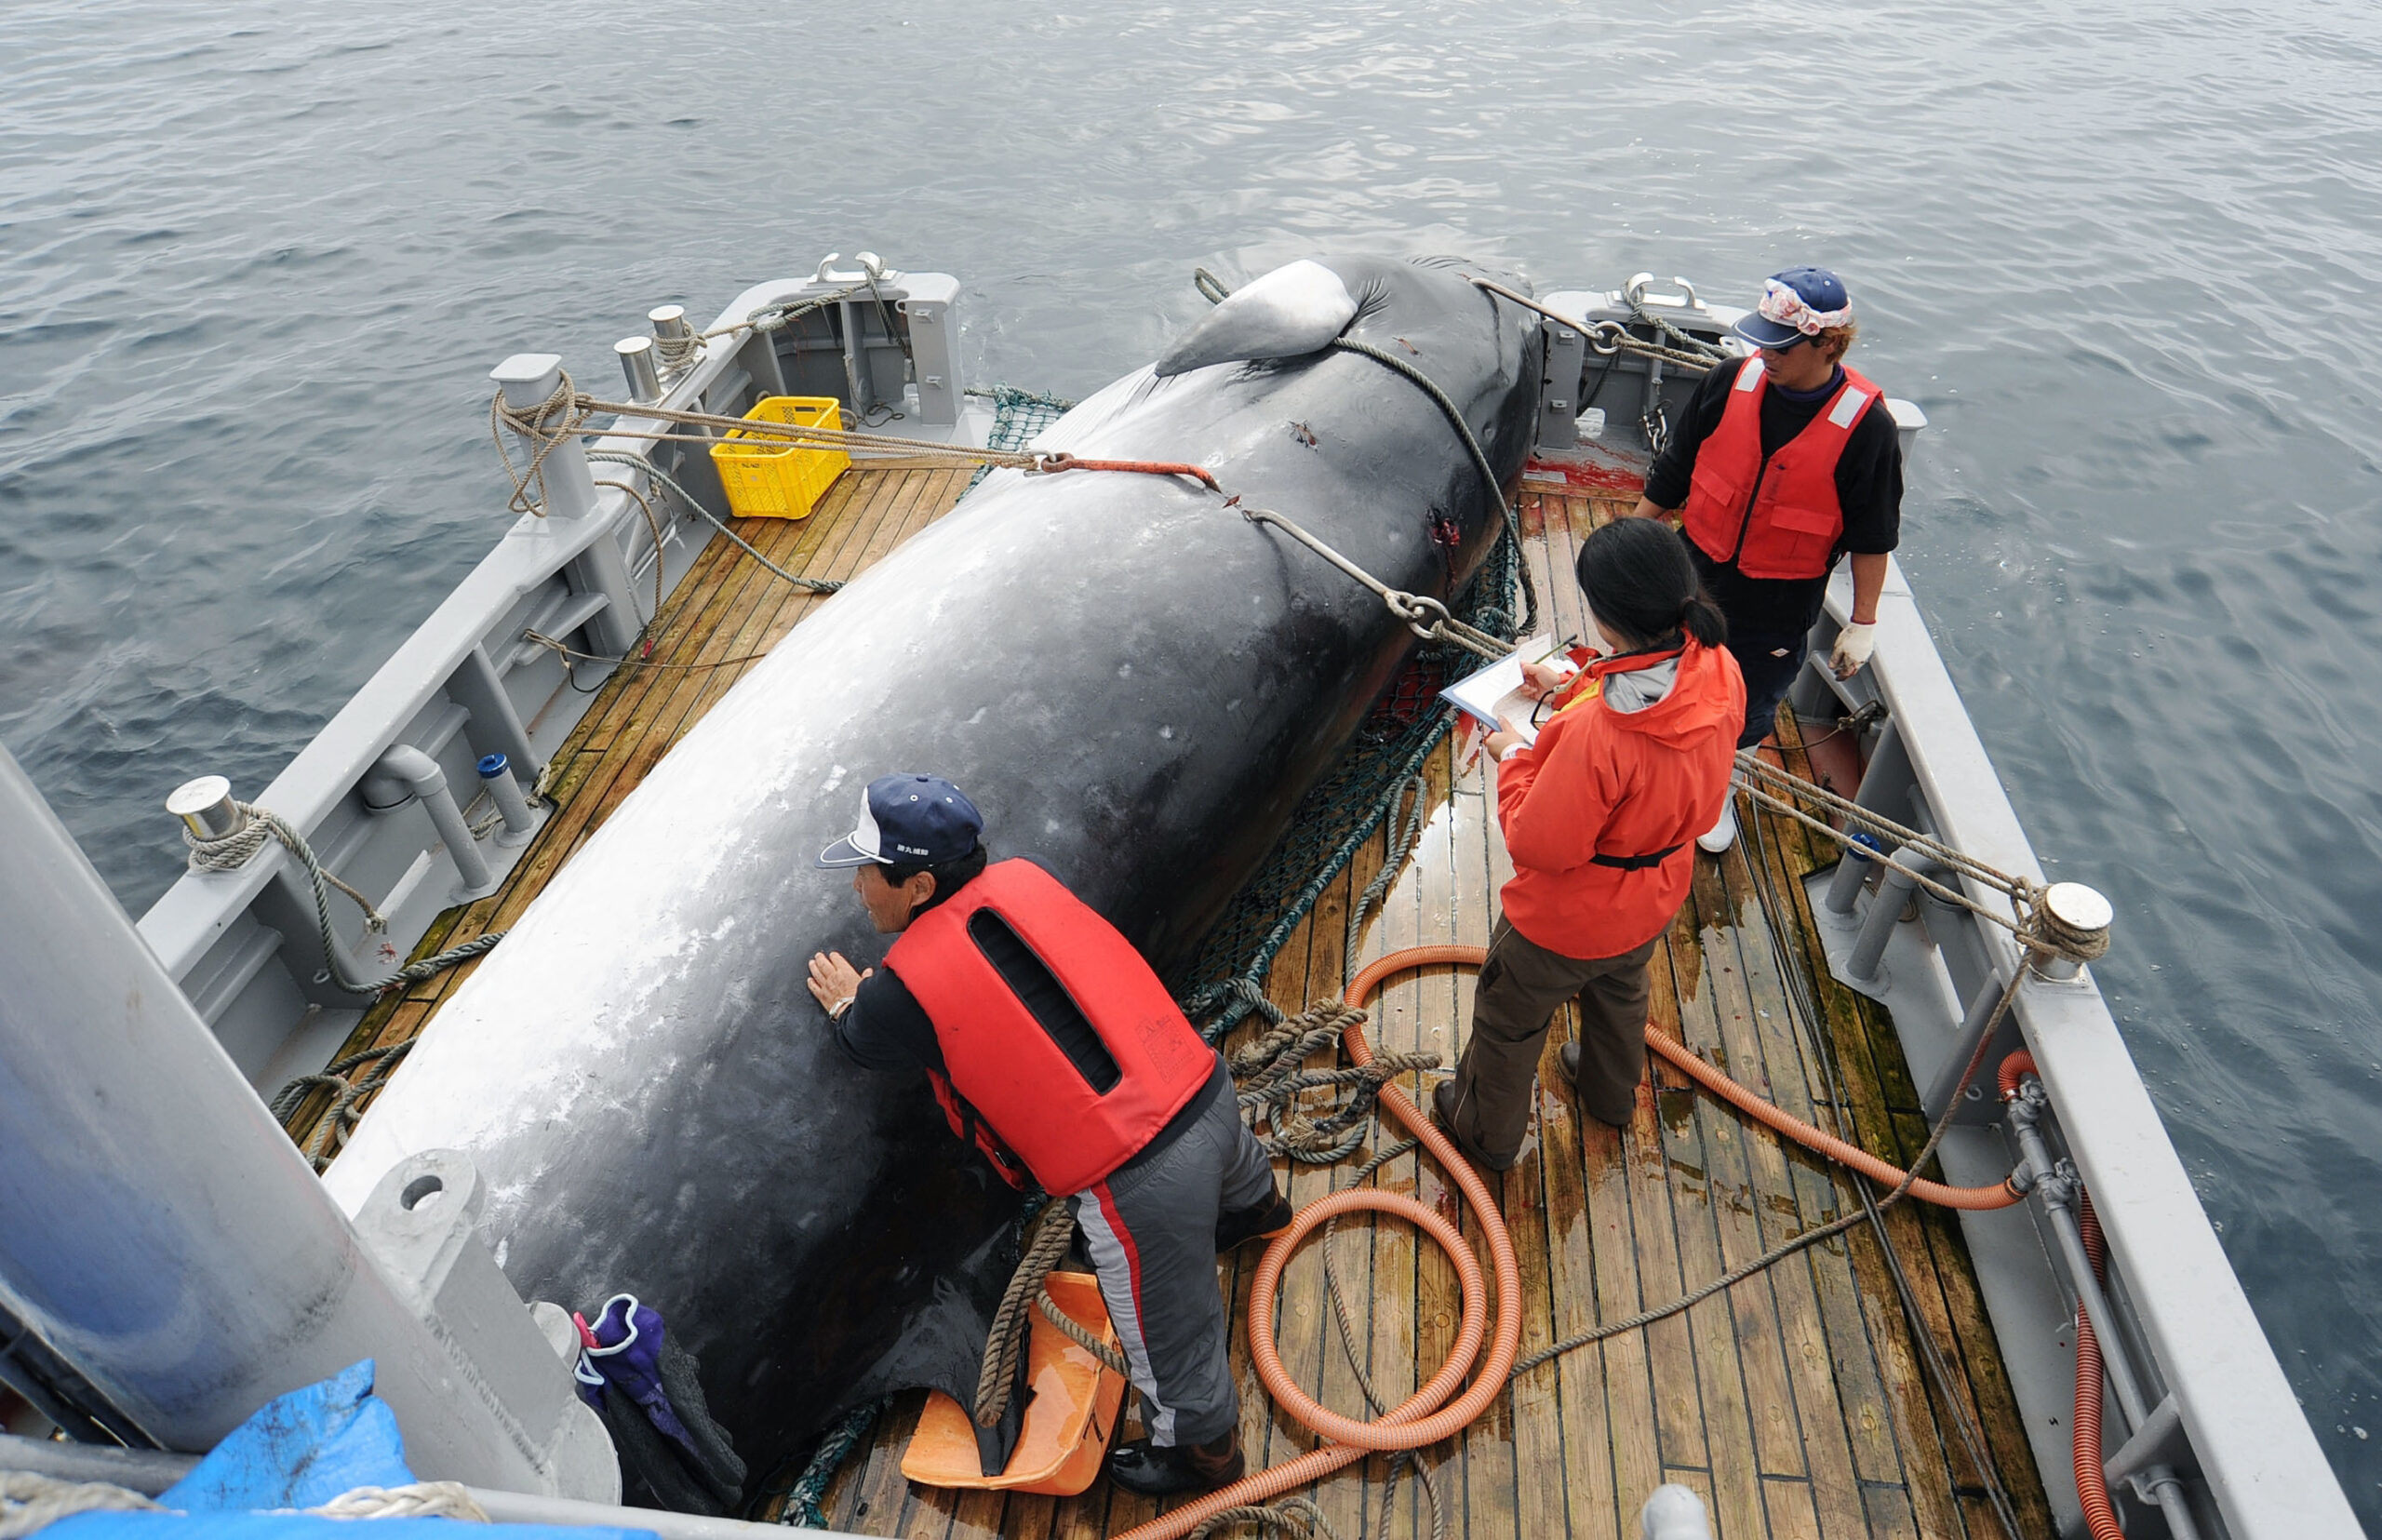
(1053, 1232)
(546, 425)
(1296, 1517)
(806, 1499)
(348, 1091)
(235, 851)
(29, 1502)
(816, 585)
(421, 1500)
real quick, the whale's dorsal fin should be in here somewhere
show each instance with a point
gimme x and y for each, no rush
(1294, 310)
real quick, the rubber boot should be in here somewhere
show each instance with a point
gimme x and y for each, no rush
(1443, 1114)
(1569, 1056)
(1154, 1472)
(1721, 835)
(1262, 1221)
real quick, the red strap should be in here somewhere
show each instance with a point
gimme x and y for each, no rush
(1052, 464)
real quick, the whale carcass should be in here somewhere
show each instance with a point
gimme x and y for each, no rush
(1133, 682)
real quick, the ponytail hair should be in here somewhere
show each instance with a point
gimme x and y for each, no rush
(1640, 582)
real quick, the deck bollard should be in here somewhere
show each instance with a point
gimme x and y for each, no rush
(529, 380)
(1865, 967)
(2079, 915)
(205, 805)
(638, 368)
(496, 773)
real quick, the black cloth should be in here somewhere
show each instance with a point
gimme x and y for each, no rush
(655, 1471)
(1868, 488)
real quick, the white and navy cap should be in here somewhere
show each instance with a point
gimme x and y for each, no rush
(1799, 302)
(908, 821)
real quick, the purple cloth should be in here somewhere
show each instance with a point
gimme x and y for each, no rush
(628, 1358)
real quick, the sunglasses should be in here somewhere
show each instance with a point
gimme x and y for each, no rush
(1787, 347)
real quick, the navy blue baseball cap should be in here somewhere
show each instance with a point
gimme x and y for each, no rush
(908, 821)
(1799, 302)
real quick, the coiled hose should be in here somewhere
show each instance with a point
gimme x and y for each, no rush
(1422, 1419)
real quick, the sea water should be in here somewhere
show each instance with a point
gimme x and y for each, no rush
(256, 258)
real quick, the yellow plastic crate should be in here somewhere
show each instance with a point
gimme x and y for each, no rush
(767, 477)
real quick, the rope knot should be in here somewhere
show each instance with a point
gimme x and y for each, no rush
(546, 426)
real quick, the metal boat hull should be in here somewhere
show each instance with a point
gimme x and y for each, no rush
(1134, 683)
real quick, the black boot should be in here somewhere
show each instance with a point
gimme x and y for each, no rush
(1261, 1220)
(1443, 1114)
(1154, 1472)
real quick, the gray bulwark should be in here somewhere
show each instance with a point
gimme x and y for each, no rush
(160, 1234)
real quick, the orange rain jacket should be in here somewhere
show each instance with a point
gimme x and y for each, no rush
(1619, 784)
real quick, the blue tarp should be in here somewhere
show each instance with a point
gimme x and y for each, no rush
(299, 1451)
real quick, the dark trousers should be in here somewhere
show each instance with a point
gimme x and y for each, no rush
(1520, 987)
(1151, 1233)
(1770, 661)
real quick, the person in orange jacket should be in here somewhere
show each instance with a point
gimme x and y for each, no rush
(1601, 816)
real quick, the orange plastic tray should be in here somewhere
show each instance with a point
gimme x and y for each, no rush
(1067, 1422)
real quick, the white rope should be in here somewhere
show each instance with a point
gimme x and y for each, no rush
(29, 1502)
(421, 1500)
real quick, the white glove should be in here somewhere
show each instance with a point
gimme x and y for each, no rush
(1853, 645)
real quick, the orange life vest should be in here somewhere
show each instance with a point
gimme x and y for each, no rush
(1779, 518)
(1075, 1091)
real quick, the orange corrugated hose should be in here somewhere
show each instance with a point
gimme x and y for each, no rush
(2084, 1424)
(1420, 1419)
(2092, 1481)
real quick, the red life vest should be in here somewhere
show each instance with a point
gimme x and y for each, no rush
(1779, 519)
(1077, 1090)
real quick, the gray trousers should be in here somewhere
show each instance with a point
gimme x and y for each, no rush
(1151, 1232)
(1521, 985)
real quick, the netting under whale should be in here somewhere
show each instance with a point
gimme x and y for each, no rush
(1018, 415)
(1343, 811)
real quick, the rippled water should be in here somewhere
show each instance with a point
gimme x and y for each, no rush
(255, 263)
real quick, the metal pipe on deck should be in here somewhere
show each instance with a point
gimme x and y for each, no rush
(496, 725)
(1865, 967)
(521, 823)
(419, 773)
(158, 1231)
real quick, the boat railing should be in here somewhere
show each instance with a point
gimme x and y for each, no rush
(2206, 1401)
(471, 682)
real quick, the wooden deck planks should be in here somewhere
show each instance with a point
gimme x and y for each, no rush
(1794, 1403)
(725, 613)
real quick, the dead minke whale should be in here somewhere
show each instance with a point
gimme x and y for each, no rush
(1133, 682)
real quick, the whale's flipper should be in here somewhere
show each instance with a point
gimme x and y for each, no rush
(1291, 311)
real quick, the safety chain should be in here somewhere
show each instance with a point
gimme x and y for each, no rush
(1215, 293)
(235, 851)
(1609, 337)
(1427, 617)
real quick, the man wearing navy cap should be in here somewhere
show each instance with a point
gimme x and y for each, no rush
(1055, 1050)
(1786, 460)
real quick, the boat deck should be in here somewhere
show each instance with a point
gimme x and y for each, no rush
(1797, 1404)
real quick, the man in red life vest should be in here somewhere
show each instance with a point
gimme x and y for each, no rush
(1055, 1050)
(1784, 462)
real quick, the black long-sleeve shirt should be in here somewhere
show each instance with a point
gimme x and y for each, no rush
(886, 1028)
(1868, 488)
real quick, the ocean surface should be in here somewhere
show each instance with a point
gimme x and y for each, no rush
(256, 256)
